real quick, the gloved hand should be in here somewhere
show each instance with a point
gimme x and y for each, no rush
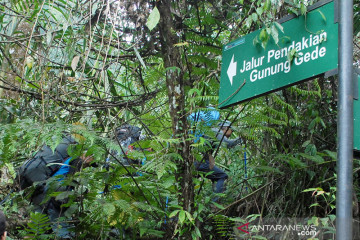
(238, 141)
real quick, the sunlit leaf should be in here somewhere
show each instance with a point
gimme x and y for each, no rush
(153, 19)
(75, 62)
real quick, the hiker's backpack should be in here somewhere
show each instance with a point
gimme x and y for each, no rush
(127, 134)
(44, 164)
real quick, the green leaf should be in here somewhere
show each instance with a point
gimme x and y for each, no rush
(295, 162)
(313, 189)
(75, 62)
(322, 15)
(306, 143)
(182, 216)
(109, 209)
(275, 34)
(189, 216)
(311, 149)
(303, 9)
(201, 207)
(331, 154)
(64, 195)
(259, 11)
(292, 54)
(267, 5)
(255, 41)
(263, 34)
(173, 213)
(181, 44)
(173, 69)
(197, 231)
(38, 226)
(248, 22)
(279, 26)
(153, 19)
(254, 17)
(194, 90)
(139, 57)
(219, 206)
(269, 169)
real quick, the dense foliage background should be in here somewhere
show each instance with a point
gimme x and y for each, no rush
(104, 63)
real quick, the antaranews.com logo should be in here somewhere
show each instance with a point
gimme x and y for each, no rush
(299, 229)
(287, 228)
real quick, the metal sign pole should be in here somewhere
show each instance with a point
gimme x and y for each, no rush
(344, 216)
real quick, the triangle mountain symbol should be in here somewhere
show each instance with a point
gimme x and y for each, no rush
(241, 228)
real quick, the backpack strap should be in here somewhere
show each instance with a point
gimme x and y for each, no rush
(64, 169)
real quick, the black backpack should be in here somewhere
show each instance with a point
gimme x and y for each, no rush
(44, 164)
(128, 134)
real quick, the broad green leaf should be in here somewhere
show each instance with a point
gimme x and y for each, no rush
(306, 143)
(259, 11)
(263, 35)
(331, 154)
(254, 17)
(64, 195)
(248, 22)
(197, 231)
(153, 19)
(189, 216)
(275, 34)
(182, 216)
(267, 4)
(291, 55)
(279, 26)
(173, 213)
(219, 206)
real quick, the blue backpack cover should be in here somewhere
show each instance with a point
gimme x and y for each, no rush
(203, 119)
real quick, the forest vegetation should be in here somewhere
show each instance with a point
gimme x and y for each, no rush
(151, 63)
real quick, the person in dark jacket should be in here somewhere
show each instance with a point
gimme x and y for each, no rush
(53, 208)
(218, 176)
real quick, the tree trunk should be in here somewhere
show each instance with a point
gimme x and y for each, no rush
(175, 87)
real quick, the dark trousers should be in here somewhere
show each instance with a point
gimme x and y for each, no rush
(54, 212)
(217, 175)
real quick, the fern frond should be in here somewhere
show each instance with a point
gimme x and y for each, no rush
(307, 93)
(285, 105)
(207, 98)
(38, 226)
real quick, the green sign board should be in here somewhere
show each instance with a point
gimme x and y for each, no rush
(248, 70)
(357, 118)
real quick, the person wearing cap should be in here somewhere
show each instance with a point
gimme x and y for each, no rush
(217, 175)
(226, 130)
(2, 226)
